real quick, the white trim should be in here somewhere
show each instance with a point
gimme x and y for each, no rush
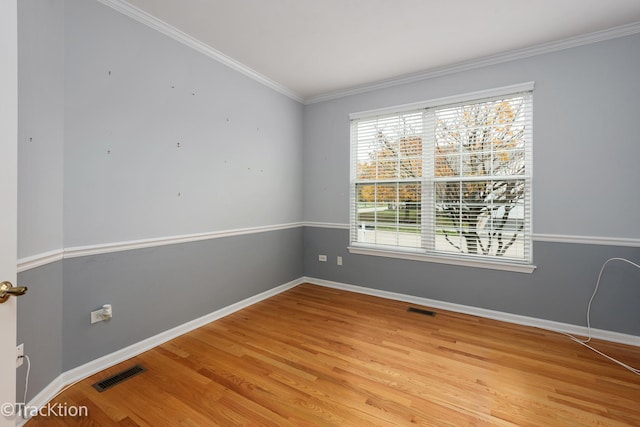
(464, 262)
(447, 100)
(157, 24)
(81, 372)
(588, 240)
(482, 312)
(143, 17)
(326, 225)
(116, 357)
(595, 37)
(44, 258)
(38, 260)
(43, 397)
(555, 238)
(80, 251)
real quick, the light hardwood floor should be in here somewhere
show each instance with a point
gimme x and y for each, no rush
(319, 356)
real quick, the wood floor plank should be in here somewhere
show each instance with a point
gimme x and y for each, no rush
(319, 356)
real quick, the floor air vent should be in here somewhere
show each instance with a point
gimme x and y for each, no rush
(118, 378)
(421, 311)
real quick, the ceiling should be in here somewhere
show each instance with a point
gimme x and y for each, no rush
(319, 47)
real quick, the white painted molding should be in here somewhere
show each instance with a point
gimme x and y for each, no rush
(157, 24)
(588, 240)
(74, 375)
(482, 312)
(44, 396)
(447, 100)
(105, 248)
(326, 225)
(151, 21)
(126, 353)
(555, 238)
(38, 260)
(462, 262)
(595, 37)
(80, 251)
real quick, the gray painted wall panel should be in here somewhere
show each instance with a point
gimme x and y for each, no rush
(132, 95)
(155, 289)
(40, 125)
(585, 149)
(40, 327)
(40, 152)
(558, 290)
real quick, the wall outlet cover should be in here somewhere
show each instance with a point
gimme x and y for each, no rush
(97, 316)
(19, 355)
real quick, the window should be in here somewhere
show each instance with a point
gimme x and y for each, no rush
(445, 180)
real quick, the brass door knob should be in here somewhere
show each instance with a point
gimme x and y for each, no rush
(7, 290)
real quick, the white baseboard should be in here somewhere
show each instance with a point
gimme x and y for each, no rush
(482, 312)
(116, 357)
(44, 397)
(81, 372)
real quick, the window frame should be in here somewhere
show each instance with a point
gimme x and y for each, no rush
(428, 217)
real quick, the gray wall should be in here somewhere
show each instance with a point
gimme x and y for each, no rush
(585, 133)
(106, 100)
(155, 289)
(40, 125)
(585, 183)
(40, 327)
(558, 290)
(240, 158)
(40, 174)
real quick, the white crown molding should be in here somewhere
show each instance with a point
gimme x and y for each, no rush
(151, 21)
(581, 40)
(447, 100)
(74, 375)
(482, 312)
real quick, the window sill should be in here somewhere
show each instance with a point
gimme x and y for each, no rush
(466, 262)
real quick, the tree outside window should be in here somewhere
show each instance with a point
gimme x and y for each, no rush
(452, 179)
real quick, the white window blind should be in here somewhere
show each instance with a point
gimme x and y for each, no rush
(450, 180)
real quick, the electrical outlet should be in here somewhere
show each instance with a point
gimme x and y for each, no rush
(19, 355)
(97, 316)
(322, 258)
(105, 313)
